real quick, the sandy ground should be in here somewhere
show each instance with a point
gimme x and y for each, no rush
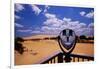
(84, 49)
(38, 51)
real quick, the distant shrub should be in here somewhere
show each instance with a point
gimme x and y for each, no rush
(19, 39)
(18, 46)
(82, 37)
(90, 38)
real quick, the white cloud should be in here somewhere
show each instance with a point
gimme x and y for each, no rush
(79, 28)
(19, 7)
(67, 19)
(50, 30)
(19, 25)
(52, 20)
(17, 17)
(36, 9)
(90, 14)
(54, 25)
(82, 13)
(48, 15)
(85, 31)
(91, 25)
(25, 30)
(46, 9)
(83, 25)
(47, 28)
(73, 22)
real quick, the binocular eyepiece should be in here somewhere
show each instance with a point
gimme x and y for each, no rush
(67, 40)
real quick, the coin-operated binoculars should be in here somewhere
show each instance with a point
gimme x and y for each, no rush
(67, 42)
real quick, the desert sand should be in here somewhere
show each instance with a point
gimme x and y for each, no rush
(38, 51)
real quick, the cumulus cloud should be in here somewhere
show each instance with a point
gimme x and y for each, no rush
(91, 25)
(19, 7)
(48, 15)
(36, 9)
(82, 13)
(50, 30)
(19, 25)
(47, 28)
(83, 25)
(54, 25)
(67, 19)
(53, 22)
(88, 15)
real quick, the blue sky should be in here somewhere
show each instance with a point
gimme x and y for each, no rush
(46, 19)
